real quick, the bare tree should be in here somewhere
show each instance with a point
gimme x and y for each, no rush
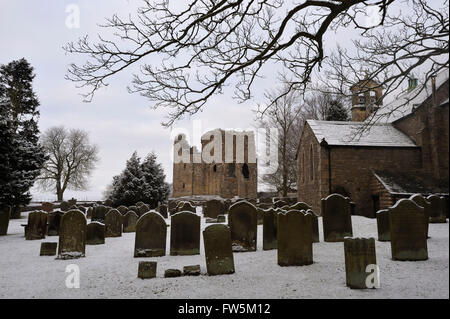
(71, 160)
(187, 55)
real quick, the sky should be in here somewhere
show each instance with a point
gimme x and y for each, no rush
(118, 122)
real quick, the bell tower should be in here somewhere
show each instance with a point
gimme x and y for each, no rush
(366, 99)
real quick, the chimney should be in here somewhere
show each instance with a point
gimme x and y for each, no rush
(412, 84)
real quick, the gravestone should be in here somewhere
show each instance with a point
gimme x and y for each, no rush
(107, 203)
(300, 206)
(54, 220)
(47, 207)
(359, 253)
(242, 220)
(193, 270)
(295, 238)
(336, 218)
(72, 201)
(422, 202)
(150, 241)
(218, 251)
(64, 206)
(269, 229)
(221, 219)
(259, 215)
(99, 212)
(147, 269)
(144, 208)
(185, 234)
(213, 208)
(48, 249)
(185, 206)
(5, 214)
(172, 206)
(266, 200)
(122, 209)
(37, 225)
(280, 203)
(95, 233)
(437, 209)
(113, 223)
(139, 204)
(315, 226)
(72, 235)
(129, 222)
(383, 228)
(408, 231)
(163, 210)
(170, 273)
(135, 209)
(89, 212)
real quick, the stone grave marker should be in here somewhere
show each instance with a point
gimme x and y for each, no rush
(218, 251)
(48, 249)
(422, 202)
(37, 225)
(72, 235)
(242, 220)
(147, 269)
(185, 234)
(270, 229)
(336, 218)
(54, 220)
(383, 228)
(359, 253)
(47, 207)
(150, 241)
(113, 223)
(129, 222)
(437, 210)
(214, 208)
(95, 233)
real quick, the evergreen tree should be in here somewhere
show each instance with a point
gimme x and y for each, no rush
(139, 182)
(21, 156)
(336, 111)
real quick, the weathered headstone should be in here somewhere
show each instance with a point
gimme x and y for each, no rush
(218, 251)
(315, 226)
(300, 206)
(113, 223)
(150, 241)
(107, 202)
(213, 208)
(5, 214)
(95, 233)
(135, 209)
(359, 253)
(163, 210)
(64, 206)
(185, 234)
(170, 273)
(242, 220)
(72, 235)
(270, 229)
(295, 238)
(279, 203)
(336, 218)
(89, 212)
(147, 269)
(122, 209)
(172, 206)
(437, 209)
(72, 201)
(221, 219)
(37, 225)
(139, 204)
(422, 202)
(99, 212)
(54, 220)
(129, 222)
(408, 231)
(384, 233)
(48, 249)
(144, 208)
(193, 270)
(47, 207)
(186, 206)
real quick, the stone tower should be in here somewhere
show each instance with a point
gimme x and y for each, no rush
(226, 165)
(366, 99)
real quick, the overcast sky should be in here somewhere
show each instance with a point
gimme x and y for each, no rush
(118, 122)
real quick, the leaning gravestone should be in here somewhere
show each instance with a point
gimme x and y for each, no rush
(359, 253)
(269, 229)
(243, 223)
(383, 228)
(218, 251)
(54, 220)
(336, 218)
(422, 202)
(113, 223)
(95, 233)
(185, 206)
(47, 207)
(64, 206)
(150, 241)
(129, 222)
(315, 226)
(437, 209)
(213, 208)
(185, 234)
(37, 225)
(295, 238)
(5, 214)
(122, 209)
(72, 235)
(408, 231)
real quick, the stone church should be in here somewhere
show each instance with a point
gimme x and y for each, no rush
(379, 157)
(226, 165)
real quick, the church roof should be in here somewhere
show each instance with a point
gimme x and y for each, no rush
(359, 134)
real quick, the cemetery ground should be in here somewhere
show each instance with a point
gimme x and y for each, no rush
(110, 271)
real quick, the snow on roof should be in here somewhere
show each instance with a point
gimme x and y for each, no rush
(406, 102)
(359, 134)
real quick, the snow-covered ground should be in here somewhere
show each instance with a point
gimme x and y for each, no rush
(110, 271)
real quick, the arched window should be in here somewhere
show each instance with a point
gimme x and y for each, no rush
(311, 163)
(184, 185)
(231, 169)
(245, 171)
(215, 168)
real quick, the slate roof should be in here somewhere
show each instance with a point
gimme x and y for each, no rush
(408, 184)
(359, 134)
